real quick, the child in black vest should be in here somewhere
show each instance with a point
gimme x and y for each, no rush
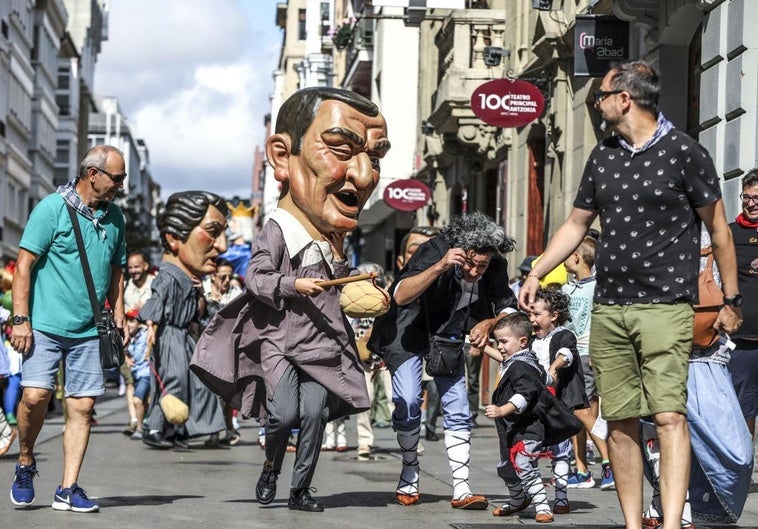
(527, 415)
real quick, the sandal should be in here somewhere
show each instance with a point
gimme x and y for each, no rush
(507, 509)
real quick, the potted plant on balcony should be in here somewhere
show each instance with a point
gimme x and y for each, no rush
(342, 35)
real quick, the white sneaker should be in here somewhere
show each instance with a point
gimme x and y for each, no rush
(6, 440)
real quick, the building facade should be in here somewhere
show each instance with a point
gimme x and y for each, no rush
(140, 200)
(527, 177)
(17, 19)
(48, 50)
(49, 116)
(422, 66)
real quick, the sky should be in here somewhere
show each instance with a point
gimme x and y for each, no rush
(193, 78)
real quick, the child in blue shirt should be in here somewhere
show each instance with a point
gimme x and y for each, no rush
(581, 291)
(138, 359)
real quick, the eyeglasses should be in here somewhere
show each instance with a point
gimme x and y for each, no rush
(599, 95)
(749, 198)
(224, 277)
(117, 178)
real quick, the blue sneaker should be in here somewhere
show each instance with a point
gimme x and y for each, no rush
(22, 491)
(607, 482)
(579, 480)
(73, 499)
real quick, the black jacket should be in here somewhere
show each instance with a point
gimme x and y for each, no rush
(570, 386)
(403, 331)
(544, 419)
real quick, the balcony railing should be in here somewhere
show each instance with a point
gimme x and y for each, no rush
(461, 68)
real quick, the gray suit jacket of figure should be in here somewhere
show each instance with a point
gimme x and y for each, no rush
(249, 343)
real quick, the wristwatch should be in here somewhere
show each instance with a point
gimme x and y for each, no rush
(734, 301)
(18, 320)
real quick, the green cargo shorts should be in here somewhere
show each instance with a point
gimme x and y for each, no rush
(640, 358)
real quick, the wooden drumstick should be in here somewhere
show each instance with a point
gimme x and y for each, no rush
(348, 279)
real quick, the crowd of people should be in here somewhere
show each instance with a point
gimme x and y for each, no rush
(607, 359)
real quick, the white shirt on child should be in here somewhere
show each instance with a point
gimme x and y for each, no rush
(541, 347)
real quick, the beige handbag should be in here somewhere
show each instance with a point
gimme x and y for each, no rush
(364, 299)
(360, 296)
(174, 409)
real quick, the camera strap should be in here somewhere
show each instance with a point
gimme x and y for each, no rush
(85, 265)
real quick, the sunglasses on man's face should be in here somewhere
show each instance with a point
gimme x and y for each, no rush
(117, 178)
(599, 95)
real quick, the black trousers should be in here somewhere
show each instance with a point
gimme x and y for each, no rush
(298, 402)
(473, 368)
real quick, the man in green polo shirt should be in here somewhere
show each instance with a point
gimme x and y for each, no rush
(53, 317)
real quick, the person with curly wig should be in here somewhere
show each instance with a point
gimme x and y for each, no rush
(455, 284)
(555, 347)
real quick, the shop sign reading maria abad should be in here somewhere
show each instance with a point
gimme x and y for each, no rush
(507, 103)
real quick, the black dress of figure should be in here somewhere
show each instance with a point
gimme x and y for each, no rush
(173, 307)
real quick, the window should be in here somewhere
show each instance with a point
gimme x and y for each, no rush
(62, 148)
(63, 78)
(301, 33)
(64, 109)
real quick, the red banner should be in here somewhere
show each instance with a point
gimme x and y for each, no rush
(507, 103)
(407, 195)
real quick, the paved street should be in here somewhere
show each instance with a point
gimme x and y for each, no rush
(140, 487)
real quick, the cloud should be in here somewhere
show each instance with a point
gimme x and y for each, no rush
(205, 131)
(193, 78)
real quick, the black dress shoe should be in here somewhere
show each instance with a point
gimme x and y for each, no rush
(156, 440)
(265, 490)
(301, 500)
(181, 444)
(431, 436)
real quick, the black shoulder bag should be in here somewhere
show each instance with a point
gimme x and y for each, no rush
(111, 340)
(445, 354)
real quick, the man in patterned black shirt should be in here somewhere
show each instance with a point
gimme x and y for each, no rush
(651, 186)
